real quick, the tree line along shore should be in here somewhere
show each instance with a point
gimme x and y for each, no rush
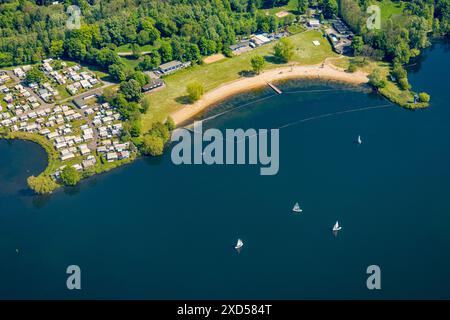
(159, 33)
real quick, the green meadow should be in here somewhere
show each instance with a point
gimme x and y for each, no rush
(169, 99)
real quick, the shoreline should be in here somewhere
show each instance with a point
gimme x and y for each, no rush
(52, 159)
(227, 90)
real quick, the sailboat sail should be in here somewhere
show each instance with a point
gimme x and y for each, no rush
(336, 226)
(239, 244)
(297, 208)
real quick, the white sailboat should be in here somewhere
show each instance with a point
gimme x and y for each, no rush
(359, 139)
(297, 208)
(239, 244)
(336, 226)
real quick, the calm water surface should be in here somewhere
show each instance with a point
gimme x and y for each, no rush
(155, 230)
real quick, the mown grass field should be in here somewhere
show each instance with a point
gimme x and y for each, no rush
(291, 7)
(130, 63)
(296, 28)
(169, 99)
(127, 48)
(389, 9)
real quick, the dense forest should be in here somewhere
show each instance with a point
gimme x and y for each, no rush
(188, 29)
(180, 29)
(403, 35)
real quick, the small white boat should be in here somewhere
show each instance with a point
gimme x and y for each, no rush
(359, 140)
(297, 208)
(336, 226)
(239, 244)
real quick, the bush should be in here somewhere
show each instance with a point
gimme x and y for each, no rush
(134, 128)
(424, 97)
(131, 90)
(141, 78)
(3, 132)
(227, 52)
(117, 72)
(160, 130)
(404, 84)
(284, 50)
(57, 65)
(170, 124)
(359, 62)
(376, 79)
(35, 75)
(257, 63)
(145, 105)
(398, 71)
(42, 184)
(70, 176)
(195, 91)
(352, 68)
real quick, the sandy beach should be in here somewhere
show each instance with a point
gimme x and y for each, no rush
(325, 72)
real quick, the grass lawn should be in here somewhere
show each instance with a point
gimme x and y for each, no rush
(99, 73)
(3, 104)
(127, 48)
(404, 98)
(342, 62)
(291, 7)
(63, 93)
(69, 63)
(389, 9)
(296, 28)
(130, 63)
(213, 75)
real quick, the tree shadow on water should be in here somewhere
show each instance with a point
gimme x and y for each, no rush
(40, 201)
(153, 161)
(72, 191)
(37, 200)
(26, 192)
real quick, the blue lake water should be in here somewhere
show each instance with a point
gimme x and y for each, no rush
(154, 230)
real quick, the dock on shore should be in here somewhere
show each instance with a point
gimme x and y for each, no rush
(278, 91)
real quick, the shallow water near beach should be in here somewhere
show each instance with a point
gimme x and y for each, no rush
(159, 231)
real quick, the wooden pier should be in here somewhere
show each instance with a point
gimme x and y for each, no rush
(278, 91)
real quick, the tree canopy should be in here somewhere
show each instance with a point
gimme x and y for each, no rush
(178, 29)
(257, 63)
(152, 145)
(401, 36)
(41, 184)
(35, 75)
(284, 50)
(195, 91)
(70, 176)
